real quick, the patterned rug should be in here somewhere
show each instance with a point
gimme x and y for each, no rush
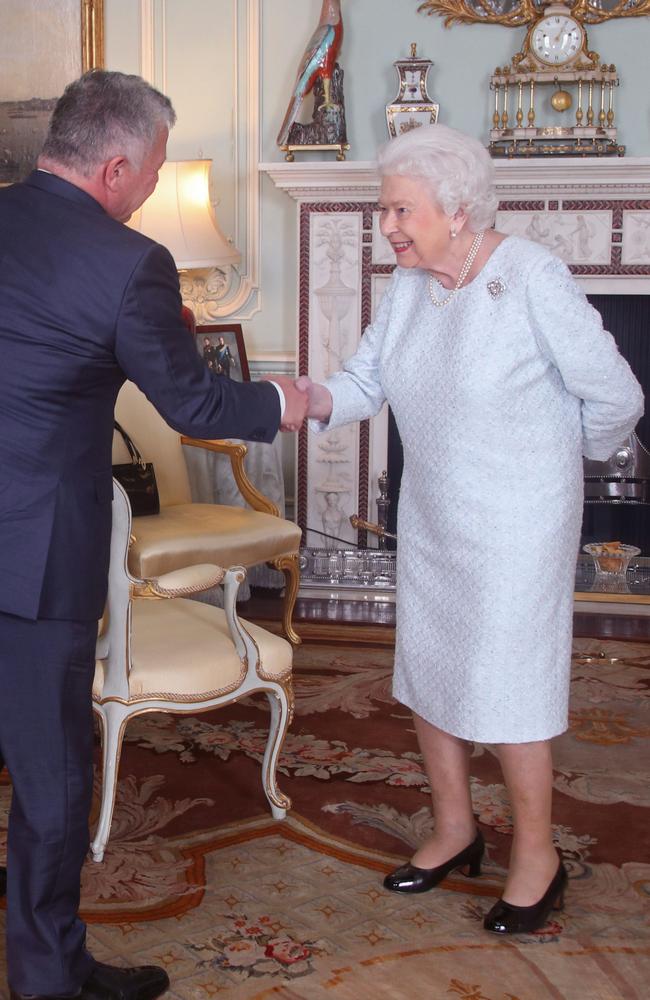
(198, 877)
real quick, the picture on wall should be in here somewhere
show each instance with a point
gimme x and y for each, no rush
(44, 45)
(221, 346)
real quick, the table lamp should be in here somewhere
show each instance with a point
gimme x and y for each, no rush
(180, 216)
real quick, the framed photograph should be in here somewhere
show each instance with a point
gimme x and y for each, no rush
(43, 47)
(221, 346)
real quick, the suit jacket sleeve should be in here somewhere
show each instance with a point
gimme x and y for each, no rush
(155, 350)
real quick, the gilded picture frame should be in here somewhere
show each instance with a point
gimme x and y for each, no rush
(41, 51)
(515, 13)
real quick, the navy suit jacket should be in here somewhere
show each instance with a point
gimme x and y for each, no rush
(85, 303)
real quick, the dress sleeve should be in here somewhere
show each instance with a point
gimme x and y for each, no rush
(357, 392)
(570, 334)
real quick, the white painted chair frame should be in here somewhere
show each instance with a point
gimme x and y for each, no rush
(255, 648)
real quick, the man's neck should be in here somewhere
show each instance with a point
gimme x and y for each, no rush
(90, 185)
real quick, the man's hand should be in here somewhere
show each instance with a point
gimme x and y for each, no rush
(320, 398)
(295, 403)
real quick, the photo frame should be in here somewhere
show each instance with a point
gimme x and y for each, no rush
(221, 345)
(52, 54)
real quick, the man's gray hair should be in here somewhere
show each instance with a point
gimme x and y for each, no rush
(105, 114)
(456, 168)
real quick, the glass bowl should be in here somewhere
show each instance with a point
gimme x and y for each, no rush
(611, 566)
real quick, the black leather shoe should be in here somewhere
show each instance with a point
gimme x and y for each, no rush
(106, 982)
(506, 918)
(409, 878)
(3, 881)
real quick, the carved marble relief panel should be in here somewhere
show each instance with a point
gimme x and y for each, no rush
(594, 236)
(576, 237)
(378, 444)
(343, 270)
(335, 252)
(335, 283)
(379, 283)
(382, 253)
(636, 237)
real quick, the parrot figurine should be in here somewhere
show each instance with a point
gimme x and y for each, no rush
(319, 59)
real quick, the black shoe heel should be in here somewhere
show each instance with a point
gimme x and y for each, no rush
(506, 918)
(474, 867)
(409, 878)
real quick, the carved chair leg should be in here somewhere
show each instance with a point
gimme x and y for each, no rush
(289, 566)
(113, 718)
(281, 703)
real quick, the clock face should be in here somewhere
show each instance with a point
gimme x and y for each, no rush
(556, 39)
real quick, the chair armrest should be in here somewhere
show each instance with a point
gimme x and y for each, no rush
(237, 453)
(180, 582)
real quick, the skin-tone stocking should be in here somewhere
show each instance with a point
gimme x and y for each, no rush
(446, 760)
(528, 775)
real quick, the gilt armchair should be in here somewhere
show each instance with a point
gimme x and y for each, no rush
(185, 532)
(160, 651)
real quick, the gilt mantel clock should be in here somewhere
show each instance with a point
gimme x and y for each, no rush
(557, 39)
(556, 96)
(562, 95)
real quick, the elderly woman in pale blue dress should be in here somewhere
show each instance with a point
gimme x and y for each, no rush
(501, 378)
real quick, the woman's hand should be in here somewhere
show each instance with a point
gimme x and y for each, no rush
(319, 406)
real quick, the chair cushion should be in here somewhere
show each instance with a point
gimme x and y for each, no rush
(183, 649)
(186, 534)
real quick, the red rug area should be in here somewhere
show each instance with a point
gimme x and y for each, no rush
(198, 877)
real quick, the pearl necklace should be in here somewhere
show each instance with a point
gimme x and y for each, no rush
(464, 271)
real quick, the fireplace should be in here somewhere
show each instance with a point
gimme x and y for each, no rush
(627, 317)
(595, 215)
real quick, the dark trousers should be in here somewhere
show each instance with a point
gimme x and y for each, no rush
(46, 738)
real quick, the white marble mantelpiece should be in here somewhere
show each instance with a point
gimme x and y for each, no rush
(619, 177)
(593, 213)
(621, 184)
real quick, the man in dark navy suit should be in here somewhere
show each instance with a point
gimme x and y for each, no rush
(85, 303)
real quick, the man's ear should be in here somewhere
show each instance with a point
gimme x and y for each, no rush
(113, 173)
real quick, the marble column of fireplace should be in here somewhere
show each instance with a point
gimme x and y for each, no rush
(595, 214)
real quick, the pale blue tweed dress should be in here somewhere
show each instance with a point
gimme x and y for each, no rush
(497, 396)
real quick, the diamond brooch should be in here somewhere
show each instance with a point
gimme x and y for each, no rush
(496, 287)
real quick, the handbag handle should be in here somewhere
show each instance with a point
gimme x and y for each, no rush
(136, 457)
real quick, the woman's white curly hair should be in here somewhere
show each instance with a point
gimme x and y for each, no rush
(457, 169)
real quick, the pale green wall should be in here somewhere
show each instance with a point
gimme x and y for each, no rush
(190, 68)
(377, 32)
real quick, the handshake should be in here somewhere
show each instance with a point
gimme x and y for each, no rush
(304, 400)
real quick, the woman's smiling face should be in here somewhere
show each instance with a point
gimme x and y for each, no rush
(416, 227)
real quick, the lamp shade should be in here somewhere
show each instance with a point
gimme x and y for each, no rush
(179, 215)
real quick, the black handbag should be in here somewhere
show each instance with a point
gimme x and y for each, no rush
(138, 479)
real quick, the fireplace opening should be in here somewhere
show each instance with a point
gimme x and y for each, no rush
(627, 317)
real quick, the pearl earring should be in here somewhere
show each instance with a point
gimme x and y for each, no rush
(453, 233)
